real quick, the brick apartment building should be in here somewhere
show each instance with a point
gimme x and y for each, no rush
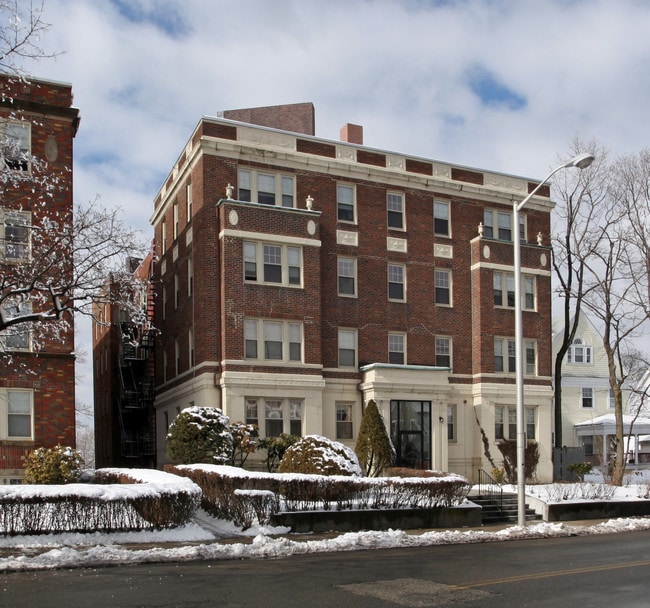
(37, 389)
(123, 376)
(300, 277)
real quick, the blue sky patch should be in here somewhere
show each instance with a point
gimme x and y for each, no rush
(164, 17)
(492, 92)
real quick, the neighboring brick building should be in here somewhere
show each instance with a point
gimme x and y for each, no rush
(37, 389)
(301, 277)
(123, 377)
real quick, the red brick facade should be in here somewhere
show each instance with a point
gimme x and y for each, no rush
(213, 313)
(47, 376)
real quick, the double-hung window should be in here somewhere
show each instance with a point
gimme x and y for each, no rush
(266, 188)
(347, 348)
(395, 210)
(273, 340)
(443, 351)
(272, 263)
(345, 203)
(530, 352)
(347, 276)
(498, 225)
(396, 282)
(579, 353)
(451, 423)
(397, 349)
(16, 145)
(281, 415)
(442, 281)
(14, 235)
(18, 336)
(504, 290)
(587, 397)
(504, 355)
(344, 421)
(441, 218)
(16, 414)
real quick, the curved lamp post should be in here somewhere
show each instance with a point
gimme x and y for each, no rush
(581, 161)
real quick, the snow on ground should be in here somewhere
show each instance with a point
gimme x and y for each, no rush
(208, 538)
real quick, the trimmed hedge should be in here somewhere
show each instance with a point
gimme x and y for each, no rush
(121, 500)
(223, 497)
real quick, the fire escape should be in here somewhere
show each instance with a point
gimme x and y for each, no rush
(136, 387)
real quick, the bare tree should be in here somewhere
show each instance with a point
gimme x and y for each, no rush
(579, 196)
(21, 34)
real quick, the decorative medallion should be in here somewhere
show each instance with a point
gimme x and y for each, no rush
(233, 218)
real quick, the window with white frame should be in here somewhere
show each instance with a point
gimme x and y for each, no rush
(396, 282)
(587, 397)
(344, 421)
(16, 137)
(347, 276)
(451, 424)
(498, 225)
(175, 220)
(395, 210)
(441, 223)
(16, 414)
(347, 339)
(397, 349)
(190, 343)
(345, 203)
(266, 188)
(272, 263)
(442, 287)
(190, 277)
(16, 337)
(281, 415)
(188, 201)
(163, 237)
(579, 353)
(612, 399)
(505, 423)
(504, 355)
(443, 351)
(15, 228)
(504, 290)
(530, 352)
(267, 340)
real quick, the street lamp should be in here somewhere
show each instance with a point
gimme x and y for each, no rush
(581, 161)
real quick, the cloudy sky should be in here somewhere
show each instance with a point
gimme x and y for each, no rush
(503, 85)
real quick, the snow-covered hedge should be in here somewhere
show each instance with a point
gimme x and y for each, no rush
(119, 500)
(222, 496)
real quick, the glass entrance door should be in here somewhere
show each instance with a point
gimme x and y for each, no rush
(410, 432)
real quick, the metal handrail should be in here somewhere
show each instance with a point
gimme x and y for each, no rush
(490, 488)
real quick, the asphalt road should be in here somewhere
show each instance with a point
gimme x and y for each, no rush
(582, 572)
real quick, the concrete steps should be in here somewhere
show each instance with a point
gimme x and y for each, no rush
(492, 514)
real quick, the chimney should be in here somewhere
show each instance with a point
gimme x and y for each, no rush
(353, 134)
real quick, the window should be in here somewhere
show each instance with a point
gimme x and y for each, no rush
(504, 290)
(190, 342)
(177, 357)
(295, 417)
(530, 352)
(579, 353)
(266, 188)
(396, 349)
(443, 351)
(188, 193)
(272, 340)
(587, 398)
(347, 348)
(251, 412)
(274, 426)
(345, 206)
(504, 355)
(347, 276)
(16, 145)
(498, 225)
(612, 399)
(441, 218)
(16, 337)
(344, 421)
(396, 281)
(507, 429)
(190, 277)
(176, 291)
(175, 220)
(395, 210)
(163, 237)
(451, 423)
(442, 280)
(14, 234)
(279, 264)
(19, 414)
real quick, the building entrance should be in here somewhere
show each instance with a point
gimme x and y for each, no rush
(410, 432)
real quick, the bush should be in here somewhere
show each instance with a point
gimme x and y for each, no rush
(374, 448)
(508, 448)
(55, 465)
(318, 455)
(275, 448)
(244, 438)
(200, 434)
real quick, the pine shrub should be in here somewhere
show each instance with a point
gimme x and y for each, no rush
(200, 435)
(374, 448)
